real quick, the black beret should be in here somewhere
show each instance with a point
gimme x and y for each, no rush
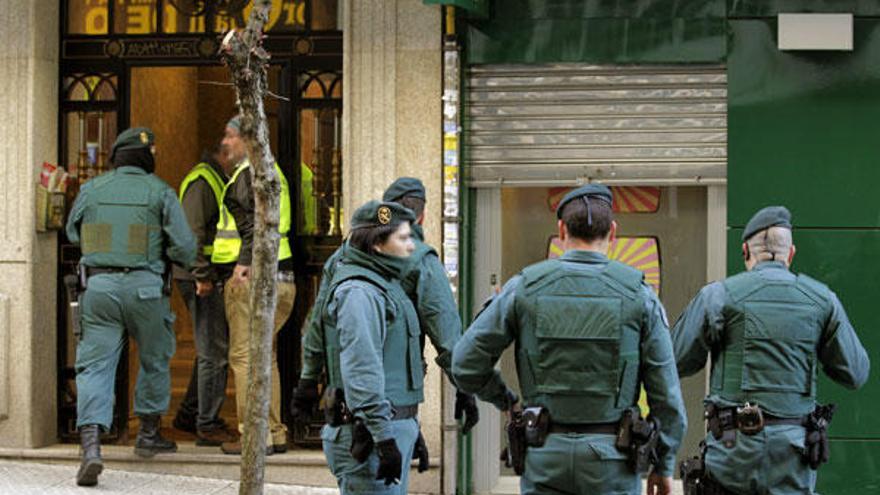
(597, 191)
(404, 187)
(379, 213)
(771, 216)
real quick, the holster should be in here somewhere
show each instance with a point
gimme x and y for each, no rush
(75, 288)
(537, 425)
(718, 420)
(638, 438)
(694, 478)
(336, 412)
(816, 447)
(514, 456)
(361, 441)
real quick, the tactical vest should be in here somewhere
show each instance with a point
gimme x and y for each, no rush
(578, 349)
(227, 242)
(772, 331)
(215, 182)
(401, 358)
(410, 281)
(122, 222)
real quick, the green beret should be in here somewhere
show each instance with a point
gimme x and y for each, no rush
(235, 123)
(771, 216)
(380, 213)
(404, 187)
(132, 139)
(590, 191)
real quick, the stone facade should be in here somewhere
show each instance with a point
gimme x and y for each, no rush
(28, 136)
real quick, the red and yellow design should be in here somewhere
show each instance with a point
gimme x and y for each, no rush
(627, 199)
(641, 253)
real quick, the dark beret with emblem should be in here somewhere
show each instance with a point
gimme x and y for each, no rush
(770, 216)
(381, 213)
(404, 187)
(589, 192)
(134, 138)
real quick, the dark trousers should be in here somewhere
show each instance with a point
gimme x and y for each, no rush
(207, 385)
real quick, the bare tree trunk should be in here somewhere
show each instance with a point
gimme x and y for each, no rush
(247, 61)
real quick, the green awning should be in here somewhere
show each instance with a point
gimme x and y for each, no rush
(476, 8)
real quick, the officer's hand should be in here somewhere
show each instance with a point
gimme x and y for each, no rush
(420, 452)
(390, 462)
(204, 287)
(466, 406)
(240, 274)
(659, 485)
(305, 396)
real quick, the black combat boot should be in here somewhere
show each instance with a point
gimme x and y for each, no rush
(149, 440)
(92, 465)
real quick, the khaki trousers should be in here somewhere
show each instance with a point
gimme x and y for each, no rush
(237, 301)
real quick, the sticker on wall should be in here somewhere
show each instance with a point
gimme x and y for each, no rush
(627, 199)
(641, 253)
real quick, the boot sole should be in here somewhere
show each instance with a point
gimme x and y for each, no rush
(147, 453)
(88, 475)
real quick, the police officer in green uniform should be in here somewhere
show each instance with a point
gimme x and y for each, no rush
(587, 331)
(767, 329)
(374, 365)
(129, 225)
(428, 287)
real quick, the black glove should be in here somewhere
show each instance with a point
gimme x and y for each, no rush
(305, 397)
(390, 462)
(466, 405)
(420, 452)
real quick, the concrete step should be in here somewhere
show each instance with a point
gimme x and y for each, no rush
(295, 467)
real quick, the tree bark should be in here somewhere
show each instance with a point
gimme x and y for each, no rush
(247, 61)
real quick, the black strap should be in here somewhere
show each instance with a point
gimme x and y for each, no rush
(99, 270)
(405, 412)
(584, 428)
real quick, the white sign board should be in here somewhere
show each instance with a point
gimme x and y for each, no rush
(815, 32)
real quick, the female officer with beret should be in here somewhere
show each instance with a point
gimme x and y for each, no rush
(374, 369)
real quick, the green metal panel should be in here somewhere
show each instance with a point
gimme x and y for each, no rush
(854, 468)
(802, 127)
(621, 31)
(769, 8)
(842, 260)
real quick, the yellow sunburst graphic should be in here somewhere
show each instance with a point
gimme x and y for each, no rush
(641, 253)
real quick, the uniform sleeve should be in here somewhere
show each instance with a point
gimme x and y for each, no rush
(181, 245)
(361, 324)
(841, 353)
(438, 314)
(477, 351)
(200, 207)
(240, 202)
(75, 217)
(699, 327)
(313, 338)
(661, 383)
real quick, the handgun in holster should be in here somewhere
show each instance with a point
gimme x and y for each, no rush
(638, 438)
(817, 450)
(537, 425)
(514, 455)
(692, 471)
(336, 412)
(75, 285)
(716, 419)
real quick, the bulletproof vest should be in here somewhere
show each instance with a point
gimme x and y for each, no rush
(577, 351)
(401, 357)
(773, 322)
(122, 220)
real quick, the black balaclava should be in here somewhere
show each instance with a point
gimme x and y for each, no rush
(141, 158)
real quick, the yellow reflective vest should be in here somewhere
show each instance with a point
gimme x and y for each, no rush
(227, 243)
(214, 180)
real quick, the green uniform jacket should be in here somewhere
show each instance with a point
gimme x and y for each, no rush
(426, 285)
(788, 337)
(372, 339)
(122, 203)
(504, 321)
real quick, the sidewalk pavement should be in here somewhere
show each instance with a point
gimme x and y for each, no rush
(25, 478)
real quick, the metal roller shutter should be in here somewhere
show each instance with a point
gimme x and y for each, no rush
(564, 124)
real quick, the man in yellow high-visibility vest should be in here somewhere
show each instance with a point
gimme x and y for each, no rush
(233, 247)
(202, 291)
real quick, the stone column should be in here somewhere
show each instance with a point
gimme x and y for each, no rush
(392, 127)
(28, 136)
